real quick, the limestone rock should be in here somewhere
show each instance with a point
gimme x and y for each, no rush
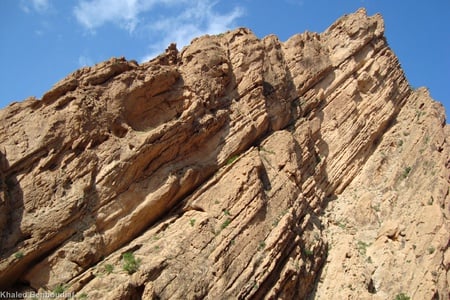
(235, 168)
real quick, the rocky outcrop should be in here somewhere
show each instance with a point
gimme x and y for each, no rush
(235, 168)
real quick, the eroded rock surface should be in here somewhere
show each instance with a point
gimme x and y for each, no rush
(236, 168)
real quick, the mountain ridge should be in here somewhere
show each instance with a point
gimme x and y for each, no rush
(262, 169)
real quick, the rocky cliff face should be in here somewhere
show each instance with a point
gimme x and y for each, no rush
(237, 168)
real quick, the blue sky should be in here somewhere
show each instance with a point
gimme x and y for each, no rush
(42, 41)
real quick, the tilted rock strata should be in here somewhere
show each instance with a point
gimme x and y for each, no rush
(389, 228)
(235, 168)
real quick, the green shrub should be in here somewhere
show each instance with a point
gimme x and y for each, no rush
(192, 222)
(308, 252)
(262, 245)
(225, 223)
(376, 207)
(402, 296)
(420, 113)
(342, 224)
(362, 247)
(109, 268)
(232, 159)
(406, 172)
(18, 254)
(130, 263)
(59, 289)
(261, 148)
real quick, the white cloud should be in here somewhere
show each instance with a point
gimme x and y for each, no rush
(84, 61)
(125, 13)
(40, 5)
(37, 5)
(187, 19)
(198, 18)
(93, 14)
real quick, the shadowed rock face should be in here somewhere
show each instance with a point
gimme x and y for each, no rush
(237, 168)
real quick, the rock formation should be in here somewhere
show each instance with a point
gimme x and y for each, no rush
(235, 168)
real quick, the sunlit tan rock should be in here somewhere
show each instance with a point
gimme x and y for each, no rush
(234, 168)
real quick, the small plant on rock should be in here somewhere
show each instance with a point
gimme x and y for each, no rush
(261, 148)
(342, 224)
(225, 223)
(59, 289)
(130, 263)
(362, 247)
(262, 245)
(232, 159)
(402, 296)
(109, 268)
(406, 172)
(18, 255)
(308, 252)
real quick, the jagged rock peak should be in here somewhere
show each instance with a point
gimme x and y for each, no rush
(235, 168)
